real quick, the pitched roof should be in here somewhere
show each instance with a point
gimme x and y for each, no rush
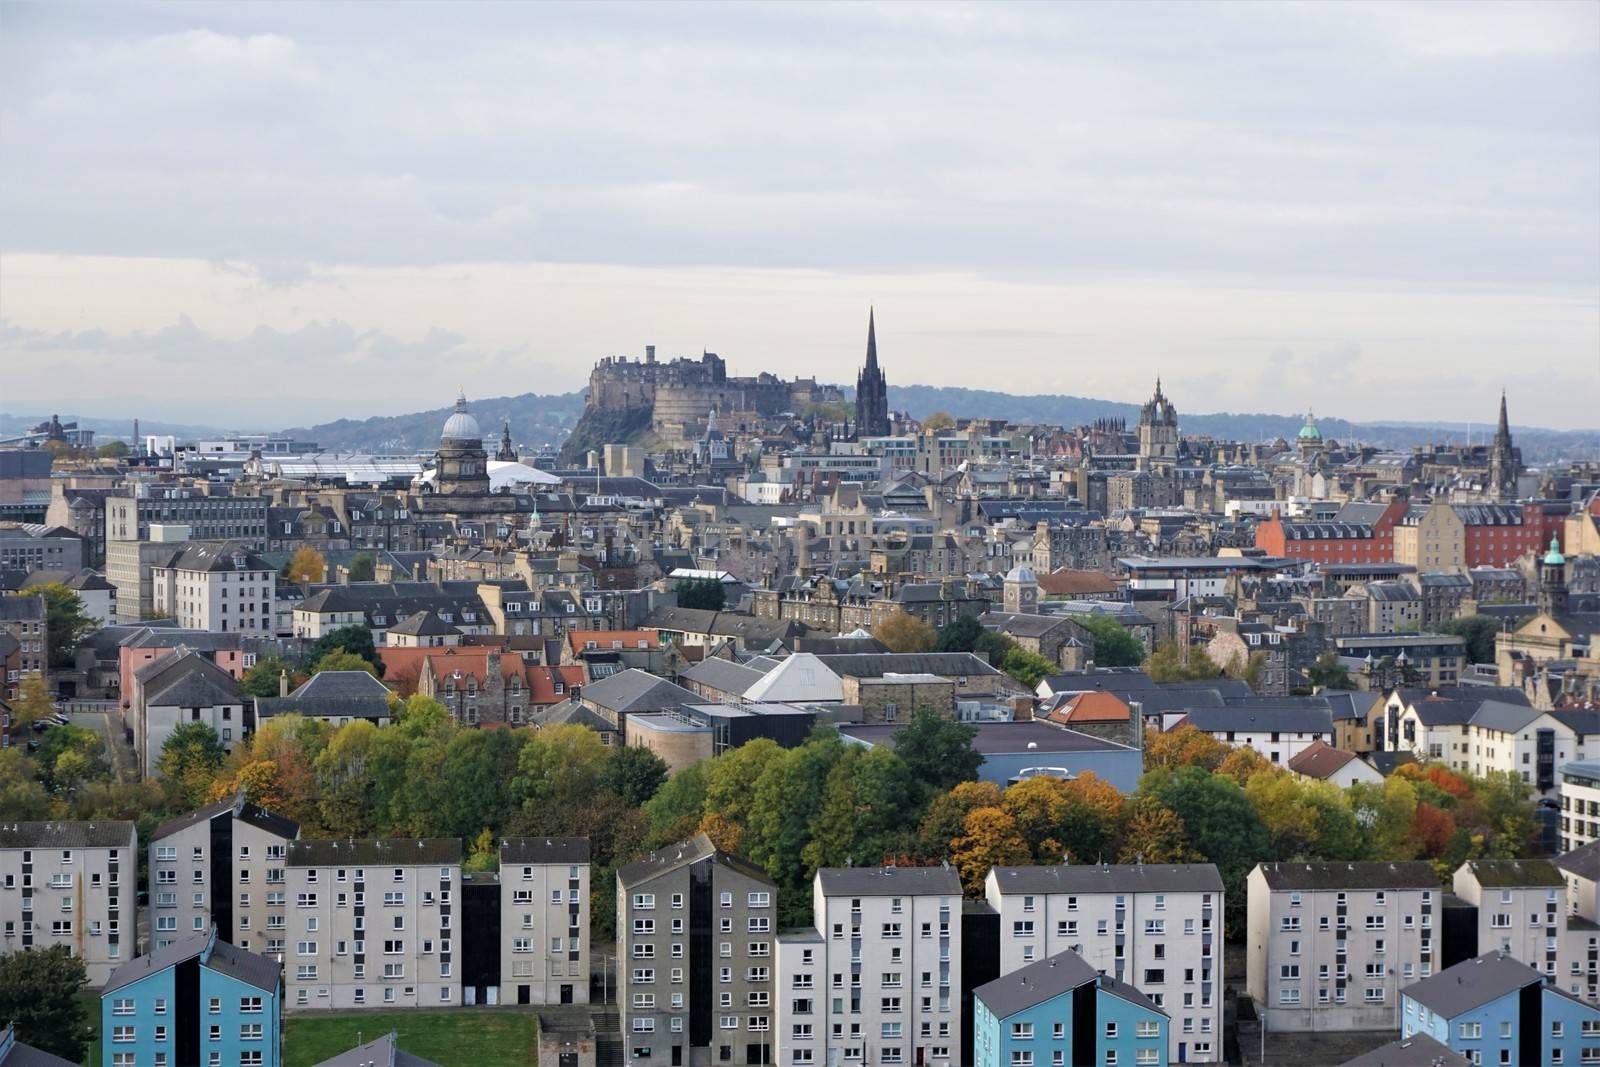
(889, 881)
(1472, 983)
(379, 852)
(1506, 874)
(802, 676)
(218, 955)
(110, 833)
(1319, 760)
(15, 1053)
(424, 624)
(694, 850)
(1034, 984)
(242, 810)
(1583, 862)
(1373, 874)
(944, 664)
(215, 556)
(1418, 1050)
(1088, 878)
(723, 675)
(561, 850)
(381, 1052)
(1261, 719)
(578, 640)
(636, 690)
(1092, 707)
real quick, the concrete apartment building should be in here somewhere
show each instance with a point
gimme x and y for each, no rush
(880, 980)
(544, 920)
(215, 585)
(371, 923)
(1580, 803)
(222, 866)
(1522, 910)
(695, 936)
(73, 884)
(1332, 944)
(1157, 927)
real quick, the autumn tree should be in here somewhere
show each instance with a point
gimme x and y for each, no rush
(865, 804)
(731, 779)
(276, 768)
(558, 771)
(70, 757)
(1155, 834)
(1183, 747)
(989, 838)
(22, 796)
(1243, 763)
(34, 702)
(946, 817)
(1170, 663)
(900, 632)
(345, 781)
(189, 762)
(307, 567)
(1431, 831)
(939, 420)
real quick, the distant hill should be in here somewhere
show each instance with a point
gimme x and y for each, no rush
(535, 420)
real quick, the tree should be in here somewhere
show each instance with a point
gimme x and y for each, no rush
(1248, 669)
(277, 768)
(483, 855)
(1169, 664)
(33, 703)
(1183, 747)
(788, 802)
(731, 779)
(1244, 763)
(261, 680)
(1222, 825)
(868, 794)
(22, 797)
(71, 756)
(1328, 673)
(39, 992)
(634, 774)
(363, 568)
(938, 751)
(707, 594)
(1028, 668)
(1114, 643)
(1479, 632)
(345, 791)
(112, 450)
(989, 838)
(190, 759)
(1384, 813)
(340, 660)
(1431, 831)
(65, 622)
(476, 779)
(1155, 834)
(946, 817)
(307, 567)
(902, 633)
(559, 771)
(959, 635)
(353, 638)
(939, 420)
(675, 810)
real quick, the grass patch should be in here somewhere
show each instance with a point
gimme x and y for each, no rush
(470, 1037)
(91, 1016)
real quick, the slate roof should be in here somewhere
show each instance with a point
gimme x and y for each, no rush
(1350, 705)
(195, 688)
(1261, 719)
(354, 694)
(22, 608)
(562, 850)
(247, 967)
(424, 624)
(636, 690)
(1085, 878)
(14, 1053)
(1419, 1050)
(1374, 874)
(381, 1052)
(242, 810)
(695, 849)
(214, 556)
(944, 664)
(1319, 760)
(1034, 984)
(1583, 862)
(723, 675)
(108, 833)
(570, 711)
(378, 852)
(1515, 874)
(889, 881)
(1471, 984)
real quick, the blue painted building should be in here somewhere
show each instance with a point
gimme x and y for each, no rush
(1061, 1012)
(1497, 1010)
(1013, 751)
(198, 1002)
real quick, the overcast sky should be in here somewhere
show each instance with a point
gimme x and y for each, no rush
(274, 214)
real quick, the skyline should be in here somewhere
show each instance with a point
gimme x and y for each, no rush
(1037, 200)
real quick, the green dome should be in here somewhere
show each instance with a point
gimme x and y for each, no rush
(1309, 431)
(1554, 558)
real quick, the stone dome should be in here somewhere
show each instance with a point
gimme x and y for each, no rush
(461, 426)
(1021, 574)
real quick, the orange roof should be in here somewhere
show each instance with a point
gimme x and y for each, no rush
(1320, 760)
(1065, 582)
(579, 640)
(1092, 707)
(542, 683)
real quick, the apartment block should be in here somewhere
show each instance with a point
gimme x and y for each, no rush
(695, 935)
(222, 866)
(1061, 1011)
(1156, 927)
(881, 980)
(371, 923)
(1580, 803)
(1522, 911)
(197, 1000)
(1332, 944)
(544, 920)
(1497, 1010)
(73, 884)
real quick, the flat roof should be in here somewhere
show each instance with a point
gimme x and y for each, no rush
(1001, 738)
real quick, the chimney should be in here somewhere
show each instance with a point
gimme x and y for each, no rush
(283, 682)
(649, 353)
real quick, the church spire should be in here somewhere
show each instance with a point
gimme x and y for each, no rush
(1504, 430)
(872, 341)
(872, 391)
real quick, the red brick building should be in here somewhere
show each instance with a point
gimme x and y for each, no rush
(1368, 539)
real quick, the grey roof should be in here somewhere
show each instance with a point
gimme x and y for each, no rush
(565, 850)
(379, 1053)
(1110, 878)
(332, 693)
(694, 850)
(379, 852)
(423, 624)
(247, 967)
(636, 690)
(108, 833)
(570, 711)
(1257, 719)
(241, 809)
(1472, 983)
(1583, 862)
(14, 1053)
(1375, 874)
(1419, 1050)
(215, 556)
(944, 664)
(1034, 984)
(1505, 874)
(1508, 718)
(1000, 738)
(21, 608)
(889, 881)
(1350, 705)
(195, 688)
(723, 675)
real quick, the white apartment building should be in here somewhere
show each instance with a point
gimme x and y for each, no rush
(216, 585)
(1157, 927)
(1279, 734)
(73, 884)
(1581, 868)
(1528, 743)
(225, 865)
(1331, 945)
(371, 923)
(881, 980)
(1523, 911)
(1580, 802)
(544, 920)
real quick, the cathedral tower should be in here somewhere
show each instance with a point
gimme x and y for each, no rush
(872, 392)
(1158, 433)
(1505, 461)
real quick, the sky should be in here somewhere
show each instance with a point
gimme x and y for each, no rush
(268, 215)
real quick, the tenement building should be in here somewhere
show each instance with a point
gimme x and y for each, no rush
(1157, 927)
(544, 920)
(695, 930)
(1332, 944)
(72, 884)
(371, 923)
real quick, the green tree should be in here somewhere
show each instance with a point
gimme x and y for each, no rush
(1385, 813)
(363, 569)
(788, 800)
(483, 855)
(34, 702)
(262, 679)
(706, 594)
(1221, 824)
(1114, 643)
(635, 774)
(189, 762)
(1328, 673)
(939, 420)
(865, 803)
(900, 632)
(559, 769)
(340, 660)
(71, 756)
(959, 635)
(731, 781)
(938, 751)
(1028, 668)
(1167, 664)
(65, 621)
(22, 797)
(476, 776)
(112, 450)
(1479, 632)
(39, 993)
(345, 780)
(677, 807)
(353, 638)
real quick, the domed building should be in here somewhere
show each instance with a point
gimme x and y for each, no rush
(461, 466)
(1020, 591)
(1309, 439)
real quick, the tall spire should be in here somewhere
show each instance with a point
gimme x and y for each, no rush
(872, 341)
(872, 392)
(1504, 429)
